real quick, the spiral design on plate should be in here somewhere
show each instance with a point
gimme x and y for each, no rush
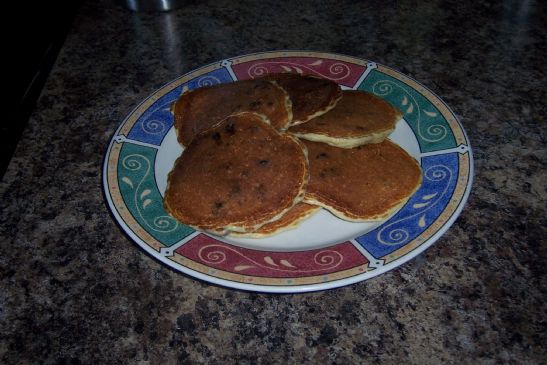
(328, 258)
(437, 132)
(258, 70)
(339, 71)
(393, 234)
(431, 133)
(437, 173)
(394, 237)
(212, 257)
(153, 126)
(165, 223)
(216, 254)
(132, 162)
(382, 88)
(161, 223)
(208, 81)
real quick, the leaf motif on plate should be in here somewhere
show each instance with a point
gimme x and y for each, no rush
(429, 196)
(421, 221)
(419, 205)
(270, 261)
(286, 263)
(145, 193)
(430, 114)
(243, 267)
(128, 181)
(405, 101)
(146, 203)
(410, 109)
(316, 63)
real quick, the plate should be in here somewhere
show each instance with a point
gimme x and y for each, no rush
(324, 252)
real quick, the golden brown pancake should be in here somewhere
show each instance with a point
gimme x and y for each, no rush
(290, 220)
(310, 96)
(237, 176)
(200, 109)
(360, 184)
(358, 118)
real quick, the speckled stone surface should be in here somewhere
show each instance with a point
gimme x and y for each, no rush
(74, 289)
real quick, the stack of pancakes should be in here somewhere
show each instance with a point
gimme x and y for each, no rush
(263, 155)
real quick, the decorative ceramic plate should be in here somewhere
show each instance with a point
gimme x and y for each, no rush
(324, 252)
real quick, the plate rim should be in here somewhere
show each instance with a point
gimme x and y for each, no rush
(300, 288)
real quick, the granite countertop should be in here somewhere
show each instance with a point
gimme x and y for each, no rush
(74, 289)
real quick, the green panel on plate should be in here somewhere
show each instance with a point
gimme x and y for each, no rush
(142, 197)
(430, 127)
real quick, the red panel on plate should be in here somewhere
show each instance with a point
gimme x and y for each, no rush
(344, 73)
(223, 256)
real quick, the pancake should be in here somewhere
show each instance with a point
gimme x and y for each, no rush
(200, 109)
(358, 118)
(237, 176)
(310, 96)
(290, 220)
(360, 184)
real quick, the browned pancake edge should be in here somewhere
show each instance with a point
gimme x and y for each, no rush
(366, 183)
(311, 96)
(358, 118)
(290, 220)
(237, 176)
(199, 109)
